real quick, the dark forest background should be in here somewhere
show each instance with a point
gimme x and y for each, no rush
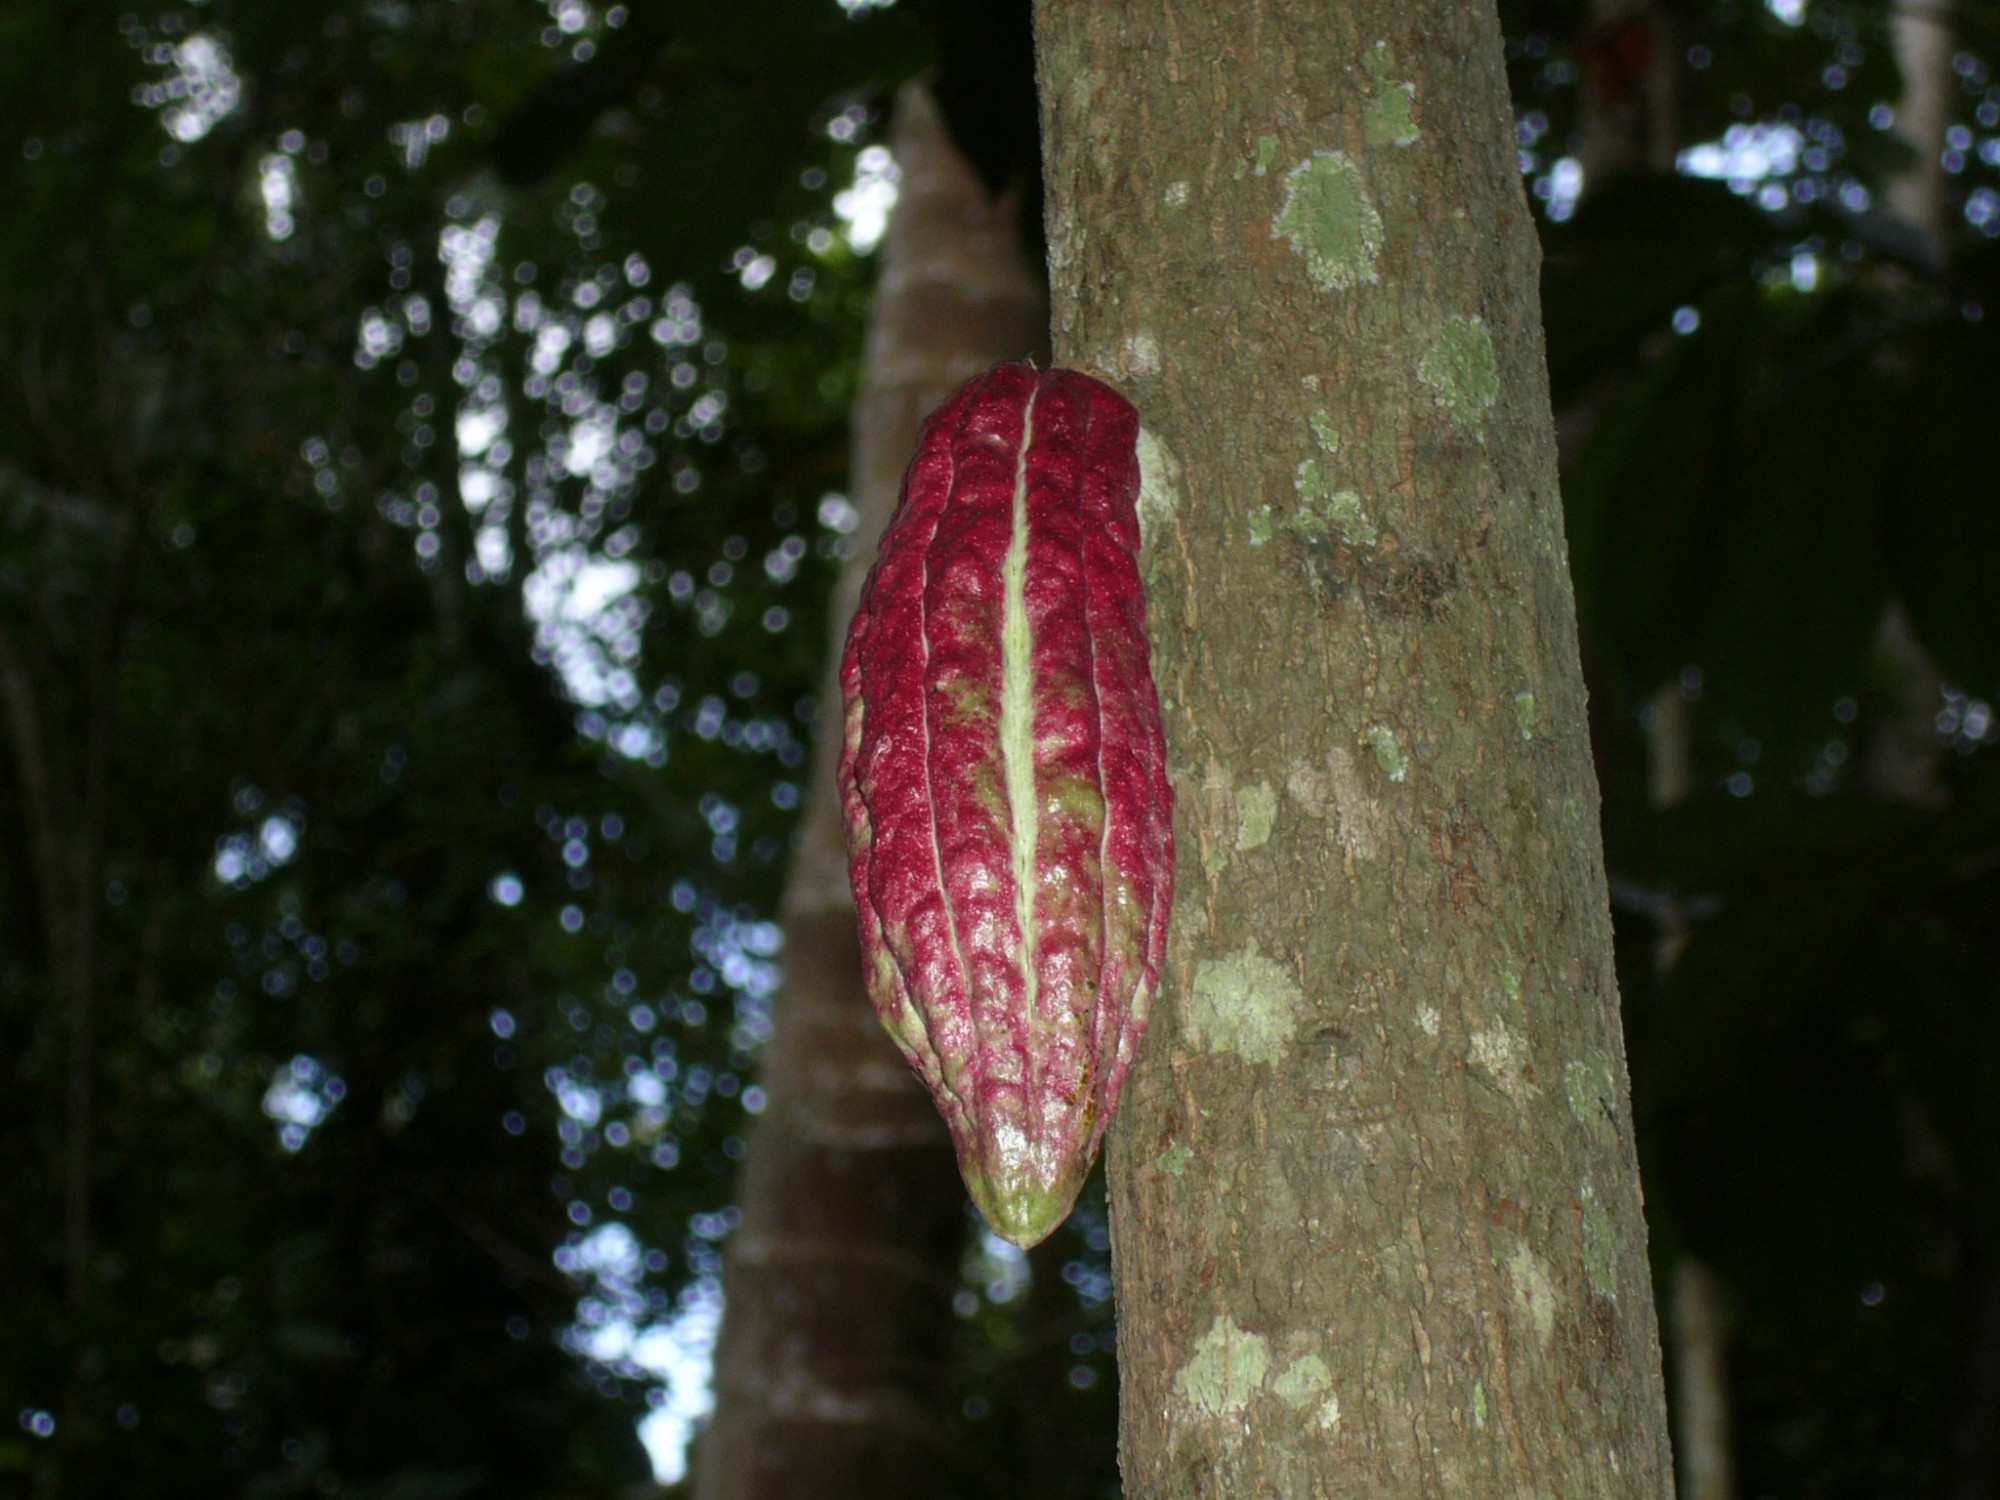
(422, 442)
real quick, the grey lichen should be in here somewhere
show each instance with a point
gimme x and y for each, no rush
(1244, 1003)
(1534, 1291)
(1592, 1095)
(1227, 1366)
(1600, 1245)
(1256, 813)
(1308, 1382)
(1159, 487)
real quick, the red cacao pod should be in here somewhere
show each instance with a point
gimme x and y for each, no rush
(1004, 781)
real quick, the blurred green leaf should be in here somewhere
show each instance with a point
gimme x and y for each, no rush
(1639, 248)
(1648, 500)
(1801, 588)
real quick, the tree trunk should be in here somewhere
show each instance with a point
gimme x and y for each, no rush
(1376, 1218)
(1704, 1449)
(839, 1278)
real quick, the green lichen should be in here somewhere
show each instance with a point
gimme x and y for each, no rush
(1267, 148)
(1330, 222)
(1600, 1245)
(1223, 1373)
(1592, 1095)
(1256, 812)
(1303, 1382)
(1308, 1382)
(1524, 714)
(1174, 1160)
(1313, 480)
(1323, 433)
(1344, 515)
(1385, 119)
(1244, 1003)
(1260, 526)
(1461, 370)
(1389, 757)
(1478, 1403)
(1325, 511)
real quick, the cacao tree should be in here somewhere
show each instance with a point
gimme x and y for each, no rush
(1376, 1220)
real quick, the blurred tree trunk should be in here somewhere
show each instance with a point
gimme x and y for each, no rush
(1628, 112)
(1698, 1325)
(58, 708)
(1703, 1448)
(1376, 1219)
(832, 1359)
(1900, 761)
(1903, 761)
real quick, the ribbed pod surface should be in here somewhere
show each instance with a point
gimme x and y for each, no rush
(1004, 785)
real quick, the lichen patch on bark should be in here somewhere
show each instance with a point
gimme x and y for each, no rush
(1224, 1372)
(1389, 757)
(1592, 1096)
(1330, 221)
(1327, 511)
(1461, 370)
(1600, 1245)
(1503, 1057)
(1256, 812)
(1159, 488)
(1307, 1382)
(1139, 355)
(1524, 714)
(1385, 119)
(1174, 1160)
(1244, 1003)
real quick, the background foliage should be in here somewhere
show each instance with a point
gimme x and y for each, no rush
(420, 453)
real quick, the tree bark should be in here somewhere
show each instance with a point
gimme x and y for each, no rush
(832, 1358)
(1376, 1217)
